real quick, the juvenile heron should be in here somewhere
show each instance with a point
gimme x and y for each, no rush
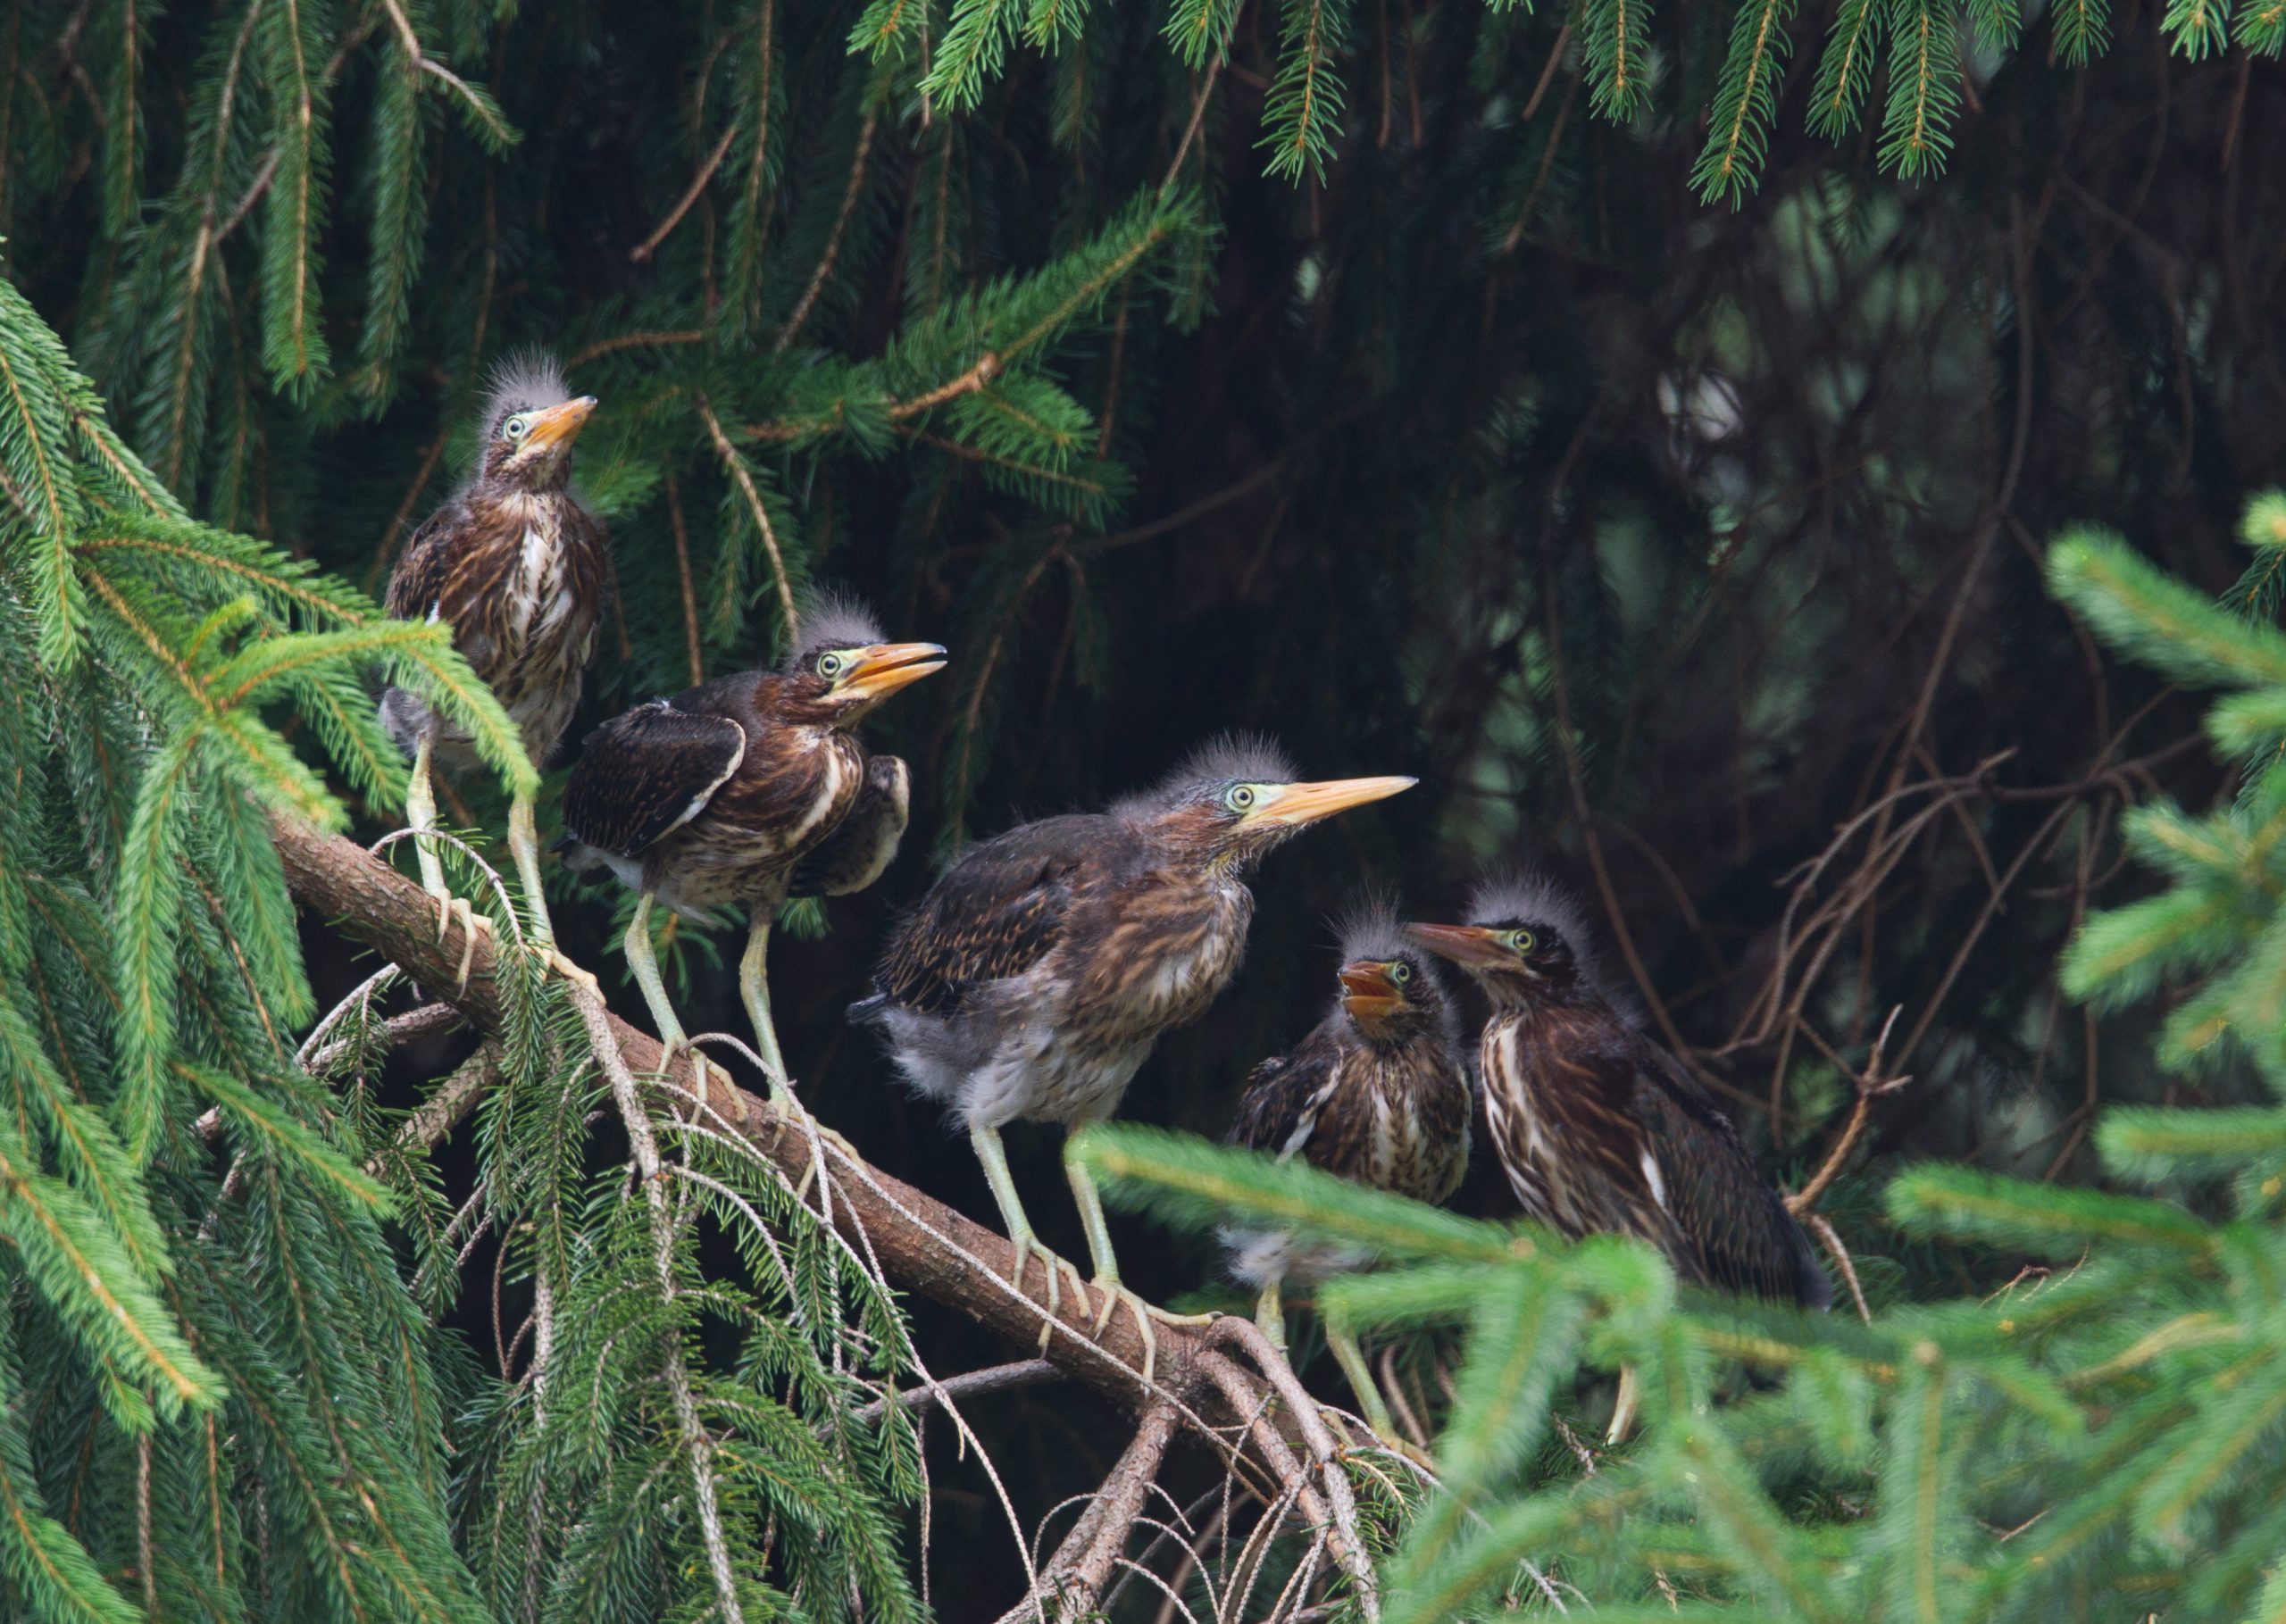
(515, 566)
(1042, 966)
(749, 789)
(1378, 1095)
(1597, 1127)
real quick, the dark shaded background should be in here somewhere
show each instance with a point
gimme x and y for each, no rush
(1693, 552)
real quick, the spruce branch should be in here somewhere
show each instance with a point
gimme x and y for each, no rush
(923, 1246)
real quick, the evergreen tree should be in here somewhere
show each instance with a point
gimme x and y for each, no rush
(1334, 367)
(2103, 1436)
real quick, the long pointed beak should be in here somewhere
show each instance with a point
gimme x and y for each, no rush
(886, 667)
(1367, 993)
(1467, 946)
(1295, 804)
(560, 425)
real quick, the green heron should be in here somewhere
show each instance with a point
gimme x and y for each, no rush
(748, 789)
(1378, 1095)
(1598, 1129)
(515, 566)
(1042, 966)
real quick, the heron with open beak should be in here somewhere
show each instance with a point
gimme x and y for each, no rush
(516, 567)
(1376, 1094)
(1035, 977)
(747, 790)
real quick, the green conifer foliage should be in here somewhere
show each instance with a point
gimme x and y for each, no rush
(900, 290)
(2104, 1436)
(216, 1377)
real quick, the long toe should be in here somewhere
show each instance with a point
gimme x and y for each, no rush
(473, 925)
(1143, 1312)
(563, 967)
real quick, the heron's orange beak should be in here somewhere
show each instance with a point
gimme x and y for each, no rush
(1470, 946)
(1368, 993)
(1295, 805)
(886, 667)
(560, 425)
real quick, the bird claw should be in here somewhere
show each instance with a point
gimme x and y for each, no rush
(1026, 1248)
(576, 973)
(1116, 1294)
(473, 925)
(809, 1166)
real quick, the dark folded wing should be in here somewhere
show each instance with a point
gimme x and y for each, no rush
(996, 912)
(646, 772)
(1745, 1240)
(863, 844)
(417, 582)
(1273, 1106)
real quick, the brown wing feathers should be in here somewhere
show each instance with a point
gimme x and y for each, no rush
(643, 773)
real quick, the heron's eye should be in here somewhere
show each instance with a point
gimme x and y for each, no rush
(1400, 972)
(515, 429)
(829, 666)
(1240, 797)
(1521, 941)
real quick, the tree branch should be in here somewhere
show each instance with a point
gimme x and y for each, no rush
(924, 1246)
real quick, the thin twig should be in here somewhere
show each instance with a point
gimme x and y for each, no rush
(994, 1379)
(737, 466)
(641, 253)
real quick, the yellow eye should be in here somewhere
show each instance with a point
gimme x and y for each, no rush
(1240, 798)
(514, 429)
(1400, 972)
(829, 666)
(1520, 941)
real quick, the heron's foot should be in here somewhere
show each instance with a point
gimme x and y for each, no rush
(809, 1124)
(579, 974)
(1029, 1247)
(449, 909)
(1114, 1294)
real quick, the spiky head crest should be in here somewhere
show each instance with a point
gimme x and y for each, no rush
(1226, 759)
(827, 619)
(1531, 897)
(523, 381)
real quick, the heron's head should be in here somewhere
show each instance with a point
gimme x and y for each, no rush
(1525, 943)
(841, 666)
(1389, 988)
(1237, 797)
(531, 420)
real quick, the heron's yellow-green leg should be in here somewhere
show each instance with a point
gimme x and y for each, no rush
(523, 841)
(1270, 1313)
(421, 817)
(1623, 1407)
(644, 964)
(754, 988)
(993, 1160)
(1351, 1358)
(1106, 1265)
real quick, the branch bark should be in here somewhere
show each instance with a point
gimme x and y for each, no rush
(923, 1246)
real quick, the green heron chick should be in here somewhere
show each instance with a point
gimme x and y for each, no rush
(515, 566)
(1600, 1129)
(748, 789)
(1033, 980)
(1378, 1095)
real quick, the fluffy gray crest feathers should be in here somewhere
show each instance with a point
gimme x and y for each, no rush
(523, 381)
(1228, 758)
(1533, 896)
(828, 618)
